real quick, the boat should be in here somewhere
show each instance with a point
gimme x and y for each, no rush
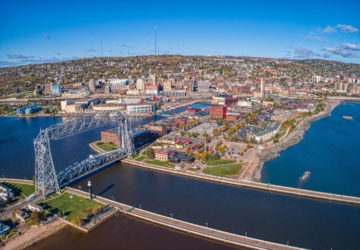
(304, 177)
(347, 117)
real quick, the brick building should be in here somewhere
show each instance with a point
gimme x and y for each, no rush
(217, 112)
(162, 154)
(110, 136)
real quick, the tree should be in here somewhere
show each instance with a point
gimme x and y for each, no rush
(35, 217)
(215, 131)
(150, 153)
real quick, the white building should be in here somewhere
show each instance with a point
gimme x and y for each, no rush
(242, 103)
(64, 103)
(134, 109)
(140, 85)
(316, 79)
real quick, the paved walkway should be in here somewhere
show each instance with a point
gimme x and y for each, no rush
(186, 227)
(349, 200)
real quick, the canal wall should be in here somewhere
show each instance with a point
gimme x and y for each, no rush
(303, 193)
(187, 227)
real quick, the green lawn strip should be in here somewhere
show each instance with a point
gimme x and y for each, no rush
(106, 146)
(218, 162)
(135, 156)
(75, 208)
(224, 170)
(279, 134)
(159, 163)
(21, 190)
(141, 158)
(144, 153)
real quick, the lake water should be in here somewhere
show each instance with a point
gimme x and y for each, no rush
(330, 150)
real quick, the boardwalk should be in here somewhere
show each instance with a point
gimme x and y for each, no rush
(303, 193)
(186, 227)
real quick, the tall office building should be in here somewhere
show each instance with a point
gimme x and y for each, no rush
(140, 84)
(167, 85)
(152, 80)
(92, 85)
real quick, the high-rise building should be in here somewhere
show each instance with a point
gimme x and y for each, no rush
(167, 85)
(48, 88)
(203, 86)
(56, 89)
(92, 85)
(140, 84)
(262, 85)
(152, 79)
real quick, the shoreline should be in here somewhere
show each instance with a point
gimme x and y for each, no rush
(35, 234)
(268, 154)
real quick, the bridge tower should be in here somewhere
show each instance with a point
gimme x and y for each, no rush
(47, 181)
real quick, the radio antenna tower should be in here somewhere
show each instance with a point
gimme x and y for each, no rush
(155, 39)
(101, 45)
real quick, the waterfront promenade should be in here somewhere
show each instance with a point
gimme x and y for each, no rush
(303, 193)
(187, 227)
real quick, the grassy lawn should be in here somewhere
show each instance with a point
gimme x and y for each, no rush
(280, 134)
(135, 156)
(218, 162)
(141, 158)
(157, 162)
(21, 190)
(106, 146)
(74, 208)
(144, 153)
(224, 170)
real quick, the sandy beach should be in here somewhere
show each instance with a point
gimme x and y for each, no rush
(34, 234)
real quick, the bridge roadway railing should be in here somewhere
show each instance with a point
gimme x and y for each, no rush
(187, 227)
(351, 200)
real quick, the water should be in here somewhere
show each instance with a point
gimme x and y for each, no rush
(302, 222)
(17, 148)
(330, 151)
(124, 233)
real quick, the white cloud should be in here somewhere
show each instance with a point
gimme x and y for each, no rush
(347, 28)
(319, 39)
(328, 30)
(341, 27)
(303, 53)
(344, 50)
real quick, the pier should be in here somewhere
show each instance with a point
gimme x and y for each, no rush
(187, 227)
(303, 193)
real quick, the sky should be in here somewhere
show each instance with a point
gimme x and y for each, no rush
(40, 31)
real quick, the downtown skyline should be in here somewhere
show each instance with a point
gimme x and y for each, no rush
(49, 32)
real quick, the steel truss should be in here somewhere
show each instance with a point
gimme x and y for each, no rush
(46, 179)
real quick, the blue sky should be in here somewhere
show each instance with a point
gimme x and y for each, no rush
(44, 31)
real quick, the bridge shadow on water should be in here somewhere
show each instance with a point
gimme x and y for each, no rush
(106, 189)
